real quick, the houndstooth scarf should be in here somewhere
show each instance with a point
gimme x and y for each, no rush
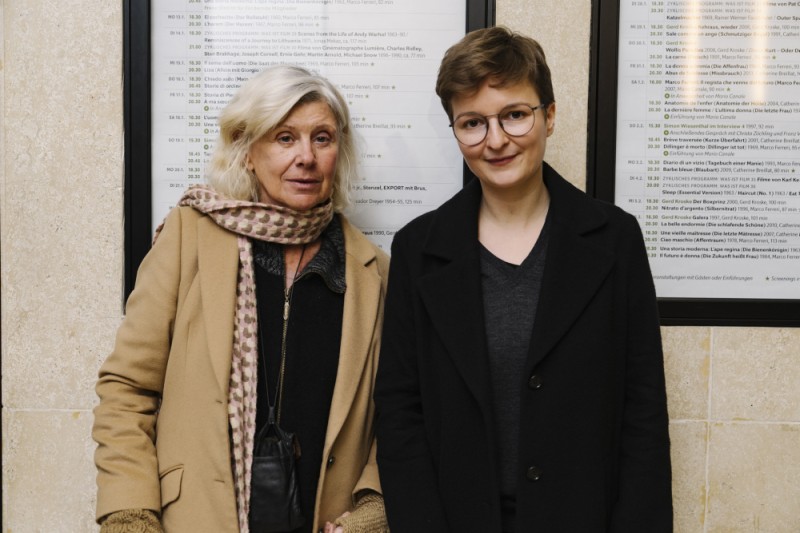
(271, 223)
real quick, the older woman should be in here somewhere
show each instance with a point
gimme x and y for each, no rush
(521, 382)
(258, 302)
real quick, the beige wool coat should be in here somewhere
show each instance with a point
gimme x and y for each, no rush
(161, 426)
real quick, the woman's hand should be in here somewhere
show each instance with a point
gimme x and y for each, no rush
(132, 521)
(369, 516)
(333, 528)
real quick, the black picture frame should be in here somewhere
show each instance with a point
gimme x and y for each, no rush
(137, 119)
(136, 102)
(600, 183)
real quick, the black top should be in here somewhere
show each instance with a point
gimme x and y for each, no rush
(313, 339)
(510, 300)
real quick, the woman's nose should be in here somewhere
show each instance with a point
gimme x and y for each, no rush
(306, 154)
(495, 135)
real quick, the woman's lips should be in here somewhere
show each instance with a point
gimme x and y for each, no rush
(301, 182)
(500, 161)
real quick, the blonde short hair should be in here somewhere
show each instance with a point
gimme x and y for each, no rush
(262, 104)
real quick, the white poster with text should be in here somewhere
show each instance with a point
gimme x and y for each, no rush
(708, 143)
(382, 54)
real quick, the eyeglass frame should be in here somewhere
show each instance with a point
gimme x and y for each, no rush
(533, 108)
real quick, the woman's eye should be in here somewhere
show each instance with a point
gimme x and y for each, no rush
(472, 123)
(515, 114)
(323, 138)
(284, 138)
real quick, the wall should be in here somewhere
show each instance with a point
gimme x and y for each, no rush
(733, 396)
(61, 223)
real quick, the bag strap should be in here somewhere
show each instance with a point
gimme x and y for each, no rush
(274, 413)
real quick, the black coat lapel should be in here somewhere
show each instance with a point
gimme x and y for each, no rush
(451, 290)
(575, 266)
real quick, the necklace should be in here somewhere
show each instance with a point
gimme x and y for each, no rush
(287, 304)
(297, 269)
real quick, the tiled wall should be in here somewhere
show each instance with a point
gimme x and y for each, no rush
(61, 229)
(733, 392)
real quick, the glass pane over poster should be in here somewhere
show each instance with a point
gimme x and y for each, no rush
(382, 54)
(708, 144)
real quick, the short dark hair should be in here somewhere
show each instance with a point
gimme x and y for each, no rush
(496, 54)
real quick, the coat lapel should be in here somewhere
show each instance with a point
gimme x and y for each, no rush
(453, 298)
(362, 301)
(218, 265)
(452, 293)
(575, 266)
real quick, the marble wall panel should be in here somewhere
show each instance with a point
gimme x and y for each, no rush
(48, 471)
(753, 478)
(62, 203)
(61, 238)
(689, 441)
(755, 374)
(687, 361)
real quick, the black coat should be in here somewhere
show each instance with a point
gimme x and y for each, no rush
(594, 444)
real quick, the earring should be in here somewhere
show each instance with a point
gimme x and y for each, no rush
(253, 183)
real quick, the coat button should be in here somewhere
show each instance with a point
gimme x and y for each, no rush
(534, 473)
(331, 460)
(535, 382)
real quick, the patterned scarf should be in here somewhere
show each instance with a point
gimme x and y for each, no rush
(271, 223)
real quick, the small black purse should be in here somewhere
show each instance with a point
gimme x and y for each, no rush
(274, 489)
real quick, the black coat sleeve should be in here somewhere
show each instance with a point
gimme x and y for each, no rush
(645, 486)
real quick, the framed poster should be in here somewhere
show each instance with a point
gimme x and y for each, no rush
(184, 60)
(695, 129)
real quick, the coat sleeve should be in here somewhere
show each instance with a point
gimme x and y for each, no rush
(369, 479)
(645, 488)
(408, 478)
(131, 380)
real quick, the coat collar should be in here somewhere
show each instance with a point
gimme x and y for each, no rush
(455, 225)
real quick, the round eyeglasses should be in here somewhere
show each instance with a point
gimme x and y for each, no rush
(516, 120)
